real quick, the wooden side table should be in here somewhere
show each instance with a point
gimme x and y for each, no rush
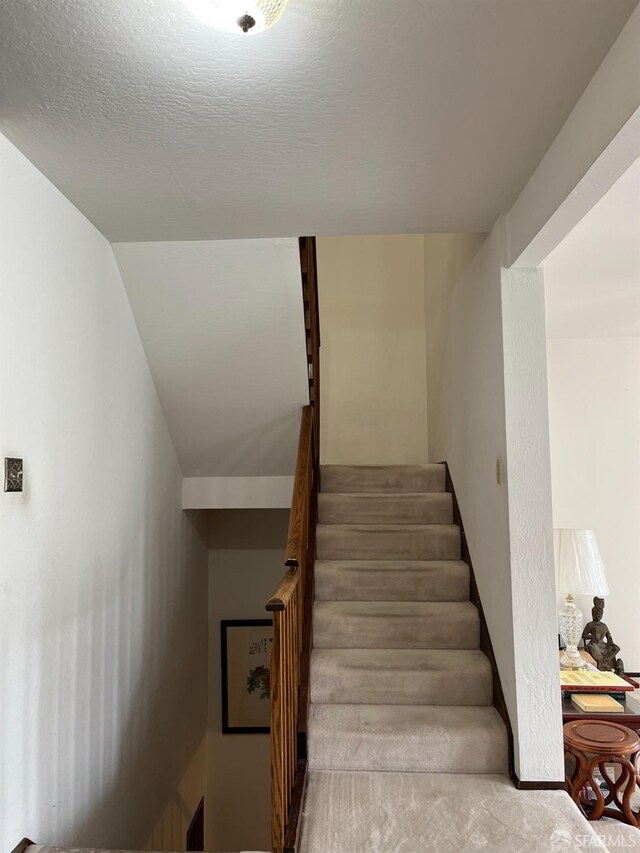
(594, 744)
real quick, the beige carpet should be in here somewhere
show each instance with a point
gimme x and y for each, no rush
(406, 752)
(398, 681)
(421, 812)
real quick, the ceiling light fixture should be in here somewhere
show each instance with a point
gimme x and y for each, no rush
(238, 16)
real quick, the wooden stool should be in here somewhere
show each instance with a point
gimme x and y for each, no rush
(594, 744)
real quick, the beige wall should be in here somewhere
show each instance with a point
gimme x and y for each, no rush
(446, 257)
(373, 363)
(245, 566)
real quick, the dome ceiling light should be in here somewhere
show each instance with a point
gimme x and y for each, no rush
(238, 16)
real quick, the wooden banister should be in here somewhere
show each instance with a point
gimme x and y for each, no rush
(292, 601)
(285, 592)
(300, 499)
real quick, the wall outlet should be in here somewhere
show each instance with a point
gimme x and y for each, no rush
(12, 474)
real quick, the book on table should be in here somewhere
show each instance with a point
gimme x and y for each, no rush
(597, 703)
(590, 681)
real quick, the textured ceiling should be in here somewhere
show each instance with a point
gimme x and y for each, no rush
(222, 327)
(592, 279)
(349, 116)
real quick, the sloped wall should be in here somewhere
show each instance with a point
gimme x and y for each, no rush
(103, 578)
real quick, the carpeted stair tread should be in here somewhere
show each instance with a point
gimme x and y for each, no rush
(348, 812)
(388, 542)
(400, 677)
(395, 625)
(434, 508)
(414, 738)
(391, 580)
(383, 478)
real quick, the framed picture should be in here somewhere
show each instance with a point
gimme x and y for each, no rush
(246, 681)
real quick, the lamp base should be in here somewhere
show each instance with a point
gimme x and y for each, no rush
(571, 632)
(572, 659)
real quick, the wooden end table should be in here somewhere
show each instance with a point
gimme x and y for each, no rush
(594, 744)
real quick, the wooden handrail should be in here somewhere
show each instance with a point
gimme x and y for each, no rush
(299, 499)
(283, 595)
(291, 603)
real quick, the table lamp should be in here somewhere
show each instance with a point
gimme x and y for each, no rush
(579, 571)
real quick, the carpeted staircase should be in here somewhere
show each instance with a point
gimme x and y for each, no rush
(406, 752)
(398, 682)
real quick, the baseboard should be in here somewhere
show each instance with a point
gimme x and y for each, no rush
(524, 785)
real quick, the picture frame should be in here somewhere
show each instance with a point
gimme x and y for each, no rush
(245, 646)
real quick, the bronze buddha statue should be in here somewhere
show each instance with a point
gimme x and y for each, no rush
(599, 642)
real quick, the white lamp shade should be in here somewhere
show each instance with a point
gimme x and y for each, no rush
(579, 566)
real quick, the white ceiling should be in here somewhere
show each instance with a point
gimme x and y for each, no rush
(592, 280)
(366, 116)
(222, 327)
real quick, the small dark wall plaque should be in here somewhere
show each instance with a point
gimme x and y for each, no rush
(12, 474)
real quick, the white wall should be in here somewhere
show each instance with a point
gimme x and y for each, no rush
(474, 420)
(222, 326)
(373, 378)
(467, 421)
(245, 567)
(594, 410)
(598, 141)
(102, 576)
(538, 756)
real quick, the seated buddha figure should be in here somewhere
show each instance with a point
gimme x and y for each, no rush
(599, 642)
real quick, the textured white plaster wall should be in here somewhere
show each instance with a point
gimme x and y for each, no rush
(245, 567)
(539, 753)
(469, 419)
(473, 419)
(594, 411)
(373, 377)
(103, 627)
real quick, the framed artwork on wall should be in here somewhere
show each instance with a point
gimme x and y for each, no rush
(246, 678)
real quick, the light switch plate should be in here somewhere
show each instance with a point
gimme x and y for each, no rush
(12, 474)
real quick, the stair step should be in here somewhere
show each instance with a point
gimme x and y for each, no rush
(337, 508)
(400, 677)
(388, 542)
(416, 738)
(391, 580)
(395, 625)
(383, 478)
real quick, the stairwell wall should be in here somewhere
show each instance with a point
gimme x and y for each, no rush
(373, 364)
(478, 415)
(246, 564)
(103, 577)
